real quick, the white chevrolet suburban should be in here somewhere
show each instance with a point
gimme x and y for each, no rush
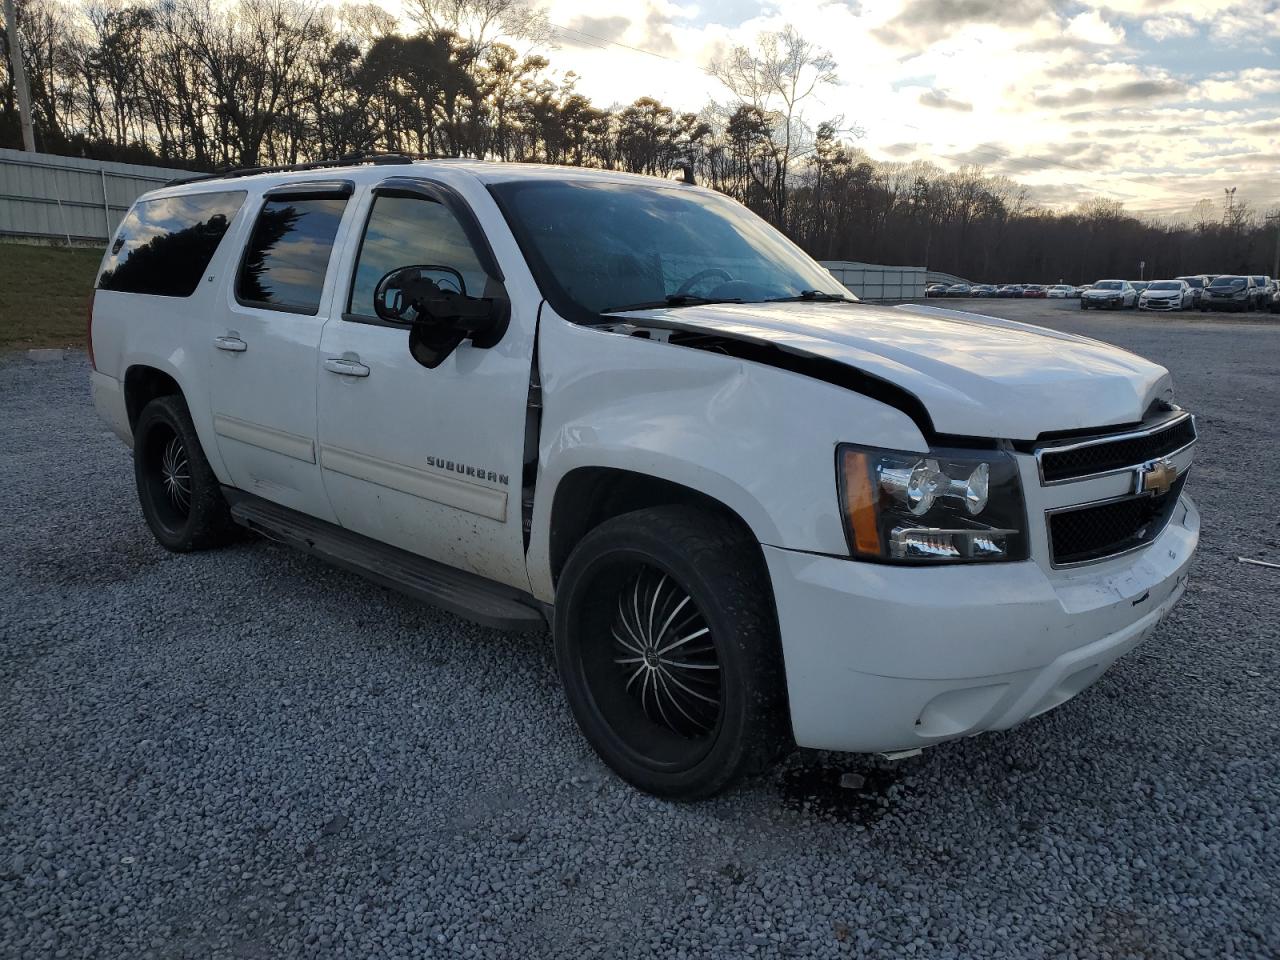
(755, 511)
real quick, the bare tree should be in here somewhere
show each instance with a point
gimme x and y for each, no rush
(483, 23)
(775, 77)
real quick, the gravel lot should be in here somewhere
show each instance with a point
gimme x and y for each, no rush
(250, 754)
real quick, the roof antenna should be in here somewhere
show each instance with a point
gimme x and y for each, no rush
(685, 166)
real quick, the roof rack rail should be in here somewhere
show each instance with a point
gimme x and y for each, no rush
(349, 160)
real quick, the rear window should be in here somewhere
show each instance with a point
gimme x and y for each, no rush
(164, 246)
(288, 253)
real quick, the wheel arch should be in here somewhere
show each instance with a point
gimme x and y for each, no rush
(587, 496)
(142, 384)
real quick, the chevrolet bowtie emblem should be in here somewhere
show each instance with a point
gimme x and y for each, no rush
(1157, 477)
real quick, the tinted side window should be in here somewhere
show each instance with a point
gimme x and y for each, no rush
(164, 246)
(288, 253)
(409, 231)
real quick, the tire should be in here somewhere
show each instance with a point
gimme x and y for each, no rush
(696, 737)
(183, 516)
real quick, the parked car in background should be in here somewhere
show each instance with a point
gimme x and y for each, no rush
(1075, 292)
(936, 290)
(1166, 295)
(1274, 304)
(1059, 291)
(1139, 285)
(959, 290)
(1109, 295)
(1262, 297)
(954, 526)
(1011, 290)
(984, 290)
(1034, 290)
(1229, 292)
(1197, 283)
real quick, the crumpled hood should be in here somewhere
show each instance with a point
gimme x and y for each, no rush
(977, 376)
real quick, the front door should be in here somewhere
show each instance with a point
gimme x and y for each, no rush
(428, 460)
(265, 341)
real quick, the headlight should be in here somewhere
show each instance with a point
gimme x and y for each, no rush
(944, 506)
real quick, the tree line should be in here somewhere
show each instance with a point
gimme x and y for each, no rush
(183, 83)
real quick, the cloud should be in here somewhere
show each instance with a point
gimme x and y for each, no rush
(930, 20)
(900, 149)
(1168, 28)
(944, 101)
(1242, 85)
(589, 31)
(1091, 28)
(1118, 93)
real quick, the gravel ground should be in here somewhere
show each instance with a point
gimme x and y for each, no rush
(249, 754)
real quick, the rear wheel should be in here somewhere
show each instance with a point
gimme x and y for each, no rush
(667, 645)
(180, 496)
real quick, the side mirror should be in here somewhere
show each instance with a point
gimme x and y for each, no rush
(434, 300)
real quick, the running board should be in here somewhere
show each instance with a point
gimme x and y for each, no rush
(465, 594)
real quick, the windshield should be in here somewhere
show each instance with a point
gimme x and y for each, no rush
(1107, 285)
(599, 246)
(1166, 285)
(1228, 282)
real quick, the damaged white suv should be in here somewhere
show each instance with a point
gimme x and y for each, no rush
(754, 511)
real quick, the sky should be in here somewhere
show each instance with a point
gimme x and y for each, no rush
(1156, 103)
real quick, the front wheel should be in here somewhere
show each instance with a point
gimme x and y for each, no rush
(178, 491)
(667, 644)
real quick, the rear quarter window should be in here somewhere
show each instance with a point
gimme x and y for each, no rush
(164, 246)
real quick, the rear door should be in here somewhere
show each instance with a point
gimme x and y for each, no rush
(265, 340)
(429, 460)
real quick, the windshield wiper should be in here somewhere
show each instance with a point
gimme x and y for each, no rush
(813, 296)
(672, 300)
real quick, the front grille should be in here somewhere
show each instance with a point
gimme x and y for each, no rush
(1089, 533)
(1086, 458)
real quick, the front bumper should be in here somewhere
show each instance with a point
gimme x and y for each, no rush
(885, 658)
(1109, 303)
(1165, 305)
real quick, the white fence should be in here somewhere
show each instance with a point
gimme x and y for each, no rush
(44, 197)
(873, 281)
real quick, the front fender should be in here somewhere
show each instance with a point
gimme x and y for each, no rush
(758, 439)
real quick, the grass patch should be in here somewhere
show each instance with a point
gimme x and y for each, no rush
(44, 295)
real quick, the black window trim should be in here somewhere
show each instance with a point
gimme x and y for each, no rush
(330, 190)
(420, 188)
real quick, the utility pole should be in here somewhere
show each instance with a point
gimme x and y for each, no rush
(1274, 219)
(19, 77)
(1228, 205)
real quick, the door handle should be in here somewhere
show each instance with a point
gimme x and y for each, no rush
(233, 344)
(345, 367)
